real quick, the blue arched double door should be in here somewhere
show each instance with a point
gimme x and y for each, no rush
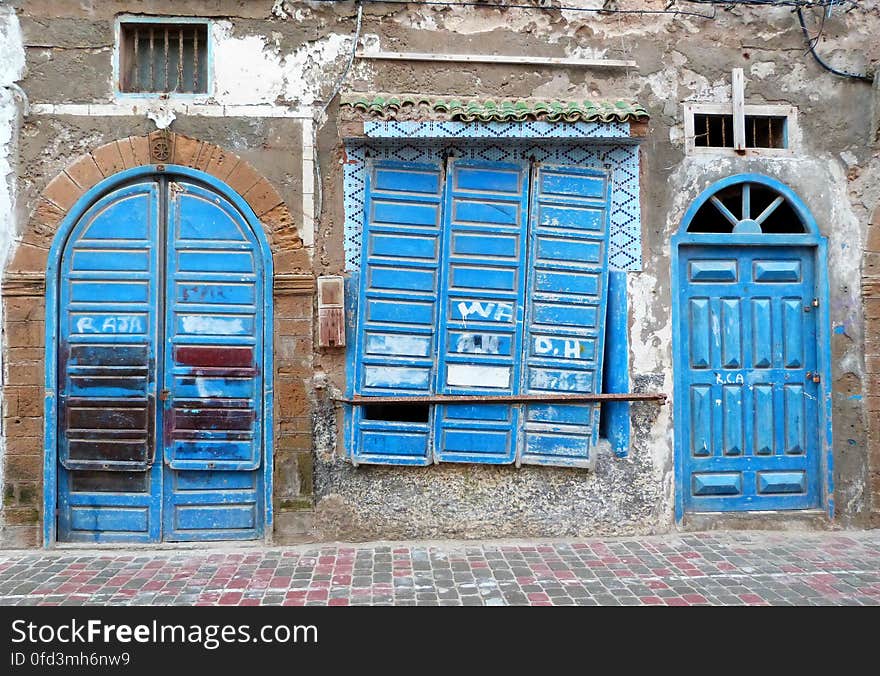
(159, 417)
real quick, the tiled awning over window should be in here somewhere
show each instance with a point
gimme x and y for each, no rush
(414, 107)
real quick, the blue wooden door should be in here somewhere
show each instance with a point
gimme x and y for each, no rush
(750, 401)
(160, 378)
(212, 377)
(108, 476)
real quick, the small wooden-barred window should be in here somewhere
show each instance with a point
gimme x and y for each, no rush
(163, 58)
(761, 131)
(766, 131)
(713, 131)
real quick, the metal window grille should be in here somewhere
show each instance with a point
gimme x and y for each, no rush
(164, 58)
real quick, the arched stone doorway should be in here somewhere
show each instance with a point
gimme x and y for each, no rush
(208, 167)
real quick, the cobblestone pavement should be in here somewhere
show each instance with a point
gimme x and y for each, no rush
(716, 568)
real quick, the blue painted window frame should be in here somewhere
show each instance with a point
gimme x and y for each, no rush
(810, 238)
(50, 409)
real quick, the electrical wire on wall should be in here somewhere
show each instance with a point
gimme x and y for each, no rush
(811, 45)
(777, 3)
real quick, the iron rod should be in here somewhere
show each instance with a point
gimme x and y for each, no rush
(180, 86)
(152, 62)
(503, 398)
(167, 56)
(196, 60)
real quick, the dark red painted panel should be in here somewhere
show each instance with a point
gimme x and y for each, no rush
(213, 419)
(214, 355)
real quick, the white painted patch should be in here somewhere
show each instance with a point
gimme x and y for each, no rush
(467, 375)
(412, 346)
(11, 70)
(762, 69)
(651, 352)
(135, 107)
(251, 69)
(850, 158)
(401, 376)
(245, 70)
(560, 381)
(212, 326)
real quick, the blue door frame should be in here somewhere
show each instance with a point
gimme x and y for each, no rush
(813, 248)
(54, 290)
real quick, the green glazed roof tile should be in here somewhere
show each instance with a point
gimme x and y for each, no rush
(413, 107)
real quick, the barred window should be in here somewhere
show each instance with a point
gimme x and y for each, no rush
(163, 58)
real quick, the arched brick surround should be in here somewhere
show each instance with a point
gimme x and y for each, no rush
(24, 312)
(871, 293)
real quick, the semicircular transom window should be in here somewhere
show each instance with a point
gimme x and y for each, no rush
(747, 208)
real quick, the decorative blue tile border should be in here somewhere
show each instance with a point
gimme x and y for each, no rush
(532, 140)
(528, 130)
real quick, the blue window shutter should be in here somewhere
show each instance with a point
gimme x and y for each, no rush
(565, 313)
(480, 328)
(396, 340)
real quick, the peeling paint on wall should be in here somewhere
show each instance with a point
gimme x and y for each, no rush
(252, 69)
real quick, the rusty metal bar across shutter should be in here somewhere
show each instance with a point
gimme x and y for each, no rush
(504, 398)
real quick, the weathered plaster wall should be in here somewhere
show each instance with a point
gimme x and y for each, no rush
(276, 63)
(259, 58)
(12, 103)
